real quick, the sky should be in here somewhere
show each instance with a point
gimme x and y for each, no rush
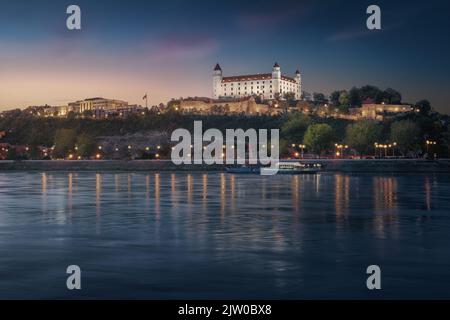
(168, 48)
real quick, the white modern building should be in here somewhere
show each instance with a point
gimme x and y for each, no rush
(266, 85)
(97, 104)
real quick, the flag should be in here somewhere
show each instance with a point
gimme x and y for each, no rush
(144, 97)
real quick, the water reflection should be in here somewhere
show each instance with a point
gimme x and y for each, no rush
(157, 195)
(98, 193)
(267, 236)
(384, 193)
(69, 193)
(427, 194)
(341, 195)
(223, 191)
(44, 191)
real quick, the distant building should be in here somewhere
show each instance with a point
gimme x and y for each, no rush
(245, 105)
(268, 86)
(93, 104)
(368, 111)
(380, 111)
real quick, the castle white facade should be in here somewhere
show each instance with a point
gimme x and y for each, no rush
(267, 85)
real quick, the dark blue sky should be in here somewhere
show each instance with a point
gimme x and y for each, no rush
(168, 48)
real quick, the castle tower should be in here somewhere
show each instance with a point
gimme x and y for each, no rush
(298, 78)
(217, 81)
(276, 78)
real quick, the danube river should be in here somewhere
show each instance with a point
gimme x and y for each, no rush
(215, 235)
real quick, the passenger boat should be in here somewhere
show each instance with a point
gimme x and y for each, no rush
(292, 168)
(281, 168)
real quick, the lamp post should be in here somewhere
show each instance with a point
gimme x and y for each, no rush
(430, 143)
(340, 149)
(302, 148)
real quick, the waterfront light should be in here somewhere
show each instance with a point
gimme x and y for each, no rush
(157, 155)
(98, 155)
(147, 148)
(70, 156)
(129, 147)
(158, 147)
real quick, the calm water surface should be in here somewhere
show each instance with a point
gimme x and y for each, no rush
(213, 235)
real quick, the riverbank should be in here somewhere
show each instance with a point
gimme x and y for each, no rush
(335, 165)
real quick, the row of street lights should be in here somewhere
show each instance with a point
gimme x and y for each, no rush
(386, 147)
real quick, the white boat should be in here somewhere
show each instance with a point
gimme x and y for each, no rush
(292, 168)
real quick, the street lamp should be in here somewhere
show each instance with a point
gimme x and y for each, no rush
(430, 143)
(302, 148)
(340, 149)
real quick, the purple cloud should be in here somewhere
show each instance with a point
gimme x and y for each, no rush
(180, 48)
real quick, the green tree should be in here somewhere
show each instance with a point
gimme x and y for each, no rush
(64, 142)
(319, 98)
(344, 98)
(392, 96)
(85, 145)
(319, 138)
(289, 97)
(370, 92)
(406, 134)
(334, 98)
(294, 128)
(354, 97)
(362, 135)
(424, 107)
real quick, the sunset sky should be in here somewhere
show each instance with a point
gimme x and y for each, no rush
(168, 48)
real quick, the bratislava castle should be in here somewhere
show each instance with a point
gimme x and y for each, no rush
(267, 85)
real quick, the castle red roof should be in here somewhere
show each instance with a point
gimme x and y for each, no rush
(250, 77)
(253, 77)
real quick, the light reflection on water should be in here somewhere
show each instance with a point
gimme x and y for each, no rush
(215, 235)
